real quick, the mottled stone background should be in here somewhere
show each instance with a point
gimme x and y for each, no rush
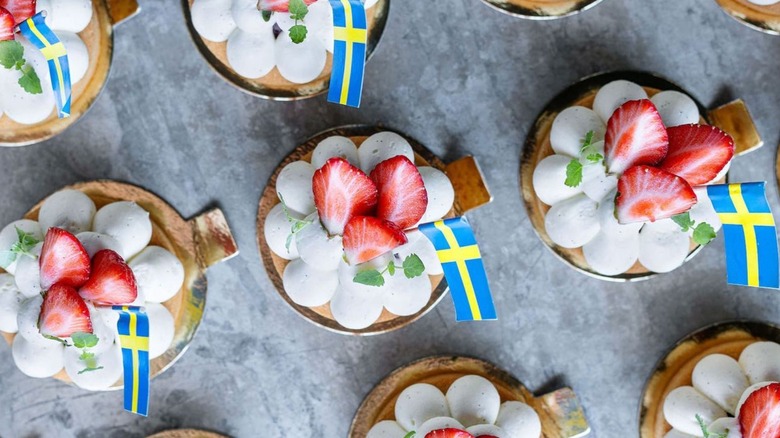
(461, 78)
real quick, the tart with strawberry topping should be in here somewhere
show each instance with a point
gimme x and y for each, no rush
(279, 49)
(723, 381)
(65, 266)
(337, 228)
(761, 15)
(616, 184)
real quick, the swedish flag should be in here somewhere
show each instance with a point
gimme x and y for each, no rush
(133, 329)
(461, 260)
(350, 35)
(749, 229)
(39, 34)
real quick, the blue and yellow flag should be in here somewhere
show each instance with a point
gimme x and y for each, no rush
(461, 260)
(350, 35)
(39, 34)
(749, 229)
(133, 329)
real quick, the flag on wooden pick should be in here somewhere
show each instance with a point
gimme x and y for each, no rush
(461, 260)
(350, 37)
(750, 233)
(133, 327)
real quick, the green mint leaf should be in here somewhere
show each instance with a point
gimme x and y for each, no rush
(30, 81)
(298, 10)
(703, 233)
(7, 258)
(267, 16)
(587, 142)
(25, 243)
(370, 278)
(413, 266)
(684, 221)
(391, 268)
(595, 157)
(11, 54)
(410, 434)
(88, 369)
(84, 340)
(573, 173)
(298, 33)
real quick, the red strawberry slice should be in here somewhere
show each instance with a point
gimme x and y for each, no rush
(63, 260)
(342, 191)
(63, 313)
(697, 153)
(278, 5)
(402, 195)
(448, 433)
(7, 25)
(112, 281)
(648, 193)
(759, 416)
(366, 238)
(20, 9)
(635, 135)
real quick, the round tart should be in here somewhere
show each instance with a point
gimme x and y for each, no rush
(259, 57)
(541, 9)
(603, 199)
(65, 284)
(87, 31)
(316, 271)
(466, 397)
(761, 15)
(707, 379)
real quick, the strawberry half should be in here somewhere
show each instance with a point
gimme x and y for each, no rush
(63, 260)
(366, 238)
(278, 5)
(448, 433)
(20, 9)
(635, 135)
(63, 313)
(759, 416)
(112, 281)
(342, 191)
(402, 195)
(7, 25)
(648, 193)
(697, 153)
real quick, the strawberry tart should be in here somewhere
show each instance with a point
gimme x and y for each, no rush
(729, 398)
(274, 44)
(345, 228)
(26, 96)
(471, 408)
(624, 185)
(65, 270)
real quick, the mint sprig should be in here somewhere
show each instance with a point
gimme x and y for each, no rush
(23, 247)
(703, 233)
(12, 57)
(412, 267)
(575, 166)
(410, 434)
(705, 432)
(296, 224)
(298, 11)
(85, 341)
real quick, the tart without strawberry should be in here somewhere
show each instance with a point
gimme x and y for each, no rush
(471, 408)
(733, 398)
(347, 224)
(65, 270)
(626, 182)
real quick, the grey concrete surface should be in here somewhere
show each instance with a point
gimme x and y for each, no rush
(461, 78)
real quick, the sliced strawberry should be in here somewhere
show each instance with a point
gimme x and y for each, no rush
(112, 281)
(63, 260)
(7, 25)
(697, 153)
(342, 191)
(278, 5)
(366, 238)
(448, 433)
(20, 9)
(648, 193)
(759, 416)
(402, 195)
(635, 135)
(63, 313)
